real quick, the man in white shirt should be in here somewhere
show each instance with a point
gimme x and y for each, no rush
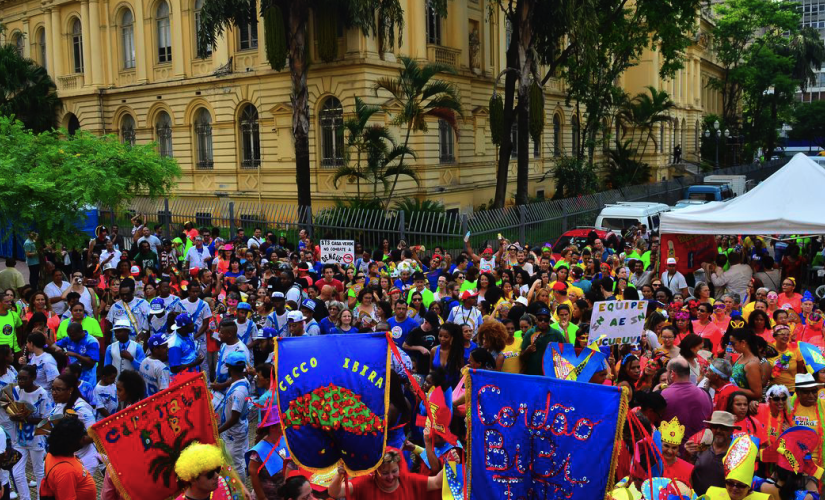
(201, 313)
(110, 256)
(146, 235)
(54, 291)
(255, 240)
(131, 308)
(467, 312)
(197, 255)
(154, 369)
(735, 279)
(674, 280)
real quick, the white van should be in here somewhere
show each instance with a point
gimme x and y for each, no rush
(620, 216)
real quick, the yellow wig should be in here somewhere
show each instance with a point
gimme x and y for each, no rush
(196, 459)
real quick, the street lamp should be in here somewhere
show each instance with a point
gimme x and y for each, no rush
(717, 134)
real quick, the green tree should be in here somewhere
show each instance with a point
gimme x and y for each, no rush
(362, 139)
(623, 167)
(28, 92)
(644, 113)
(421, 96)
(286, 24)
(574, 177)
(807, 123)
(49, 178)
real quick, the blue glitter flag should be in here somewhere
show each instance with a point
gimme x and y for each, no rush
(541, 438)
(333, 395)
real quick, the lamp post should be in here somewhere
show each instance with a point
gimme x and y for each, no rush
(717, 134)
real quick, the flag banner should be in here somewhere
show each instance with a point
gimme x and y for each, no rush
(689, 250)
(617, 322)
(144, 441)
(814, 361)
(333, 394)
(562, 362)
(541, 438)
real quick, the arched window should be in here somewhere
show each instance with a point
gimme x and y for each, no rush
(446, 144)
(198, 8)
(77, 46)
(127, 36)
(203, 138)
(164, 33)
(72, 124)
(556, 135)
(574, 126)
(332, 133)
(41, 46)
(163, 129)
(127, 130)
(248, 33)
(250, 138)
(19, 44)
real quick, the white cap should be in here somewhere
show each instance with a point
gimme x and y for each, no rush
(295, 317)
(122, 324)
(671, 261)
(522, 301)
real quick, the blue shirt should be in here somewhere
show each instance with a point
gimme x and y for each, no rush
(400, 330)
(87, 346)
(326, 326)
(182, 350)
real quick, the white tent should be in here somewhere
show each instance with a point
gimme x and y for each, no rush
(791, 201)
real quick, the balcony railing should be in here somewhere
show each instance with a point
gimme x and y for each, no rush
(70, 82)
(443, 55)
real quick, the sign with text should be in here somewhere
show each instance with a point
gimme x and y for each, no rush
(340, 251)
(144, 441)
(540, 437)
(333, 394)
(618, 321)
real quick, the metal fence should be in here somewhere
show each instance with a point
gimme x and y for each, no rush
(535, 223)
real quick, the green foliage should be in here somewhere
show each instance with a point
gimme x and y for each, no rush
(644, 113)
(358, 203)
(47, 179)
(413, 205)
(496, 118)
(275, 37)
(574, 177)
(327, 34)
(28, 92)
(536, 111)
(623, 168)
(807, 123)
(421, 96)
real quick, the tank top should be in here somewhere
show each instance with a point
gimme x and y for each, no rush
(511, 361)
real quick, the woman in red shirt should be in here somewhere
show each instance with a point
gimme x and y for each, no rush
(391, 481)
(65, 477)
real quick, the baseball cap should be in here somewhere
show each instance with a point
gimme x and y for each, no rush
(547, 248)
(157, 340)
(228, 246)
(303, 267)
(294, 317)
(241, 279)
(269, 332)
(244, 306)
(671, 261)
(559, 287)
(418, 276)
(235, 359)
(157, 306)
(193, 271)
(309, 304)
(468, 294)
(134, 271)
(181, 320)
(278, 296)
(522, 301)
(122, 324)
(249, 267)
(543, 312)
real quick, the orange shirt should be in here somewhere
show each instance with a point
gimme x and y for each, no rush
(68, 480)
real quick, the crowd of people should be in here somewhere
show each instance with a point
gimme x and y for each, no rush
(718, 359)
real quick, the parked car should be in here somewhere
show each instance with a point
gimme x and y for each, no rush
(709, 192)
(688, 203)
(576, 237)
(620, 217)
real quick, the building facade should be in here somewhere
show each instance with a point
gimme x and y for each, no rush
(132, 68)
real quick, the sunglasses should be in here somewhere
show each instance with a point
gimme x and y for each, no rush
(779, 398)
(736, 485)
(211, 474)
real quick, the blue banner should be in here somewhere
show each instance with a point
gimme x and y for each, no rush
(333, 394)
(541, 438)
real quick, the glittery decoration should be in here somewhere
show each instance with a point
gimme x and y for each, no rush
(332, 408)
(737, 454)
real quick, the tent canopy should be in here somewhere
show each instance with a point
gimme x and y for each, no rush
(791, 201)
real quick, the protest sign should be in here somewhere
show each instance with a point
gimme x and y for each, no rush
(618, 321)
(340, 251)
(144, 441)
(333, 393)
(689, 250)
(538, 437)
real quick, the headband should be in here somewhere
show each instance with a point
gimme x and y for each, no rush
(718, 372)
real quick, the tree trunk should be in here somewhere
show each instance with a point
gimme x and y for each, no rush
(400, 163)
(507, 124)
(524, 14)
(297, 27)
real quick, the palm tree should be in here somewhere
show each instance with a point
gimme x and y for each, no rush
(808, 54)
(379, 18)
(644, 112)
(420, 97)
(622, 169)
(28, 92)
(360, 140)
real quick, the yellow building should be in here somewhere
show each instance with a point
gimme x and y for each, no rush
(131, 67)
